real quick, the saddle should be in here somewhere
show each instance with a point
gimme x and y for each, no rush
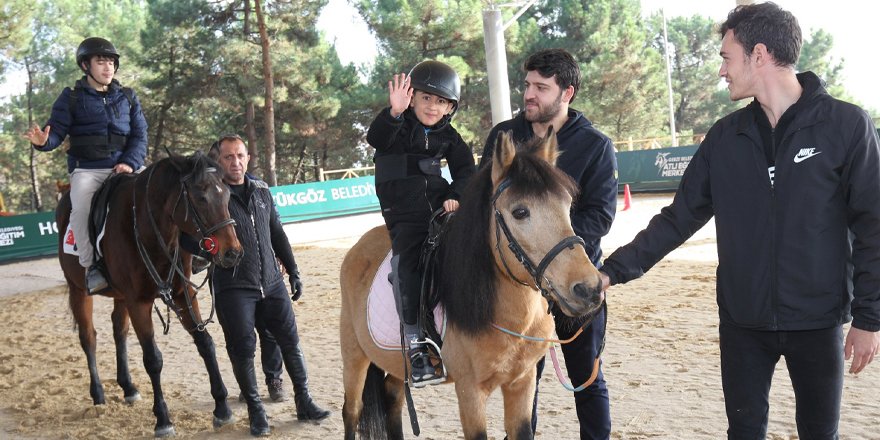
(99, 209)
(382, 319)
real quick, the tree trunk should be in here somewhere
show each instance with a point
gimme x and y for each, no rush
(269, 107)
(251, 133)
(159, 139)
(35, 184)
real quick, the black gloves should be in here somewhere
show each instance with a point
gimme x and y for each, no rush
(295, 285)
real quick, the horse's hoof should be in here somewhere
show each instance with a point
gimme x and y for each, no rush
(219, 423)
(132, 398)
(167, 431)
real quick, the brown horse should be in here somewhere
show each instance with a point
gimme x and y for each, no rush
(147, 213)
(514, 214)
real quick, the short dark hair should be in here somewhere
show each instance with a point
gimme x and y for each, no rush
(214, 150)
(559, 62)
(769, 24)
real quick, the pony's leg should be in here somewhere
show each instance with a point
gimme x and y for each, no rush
(355, 365)
(139, 313)
(471, 408)
(205, 344)
(518, 400)
(120, 335)
(81, 307)
(394, 401)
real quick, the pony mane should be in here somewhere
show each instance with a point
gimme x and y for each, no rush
(468, 274)
(197, 166)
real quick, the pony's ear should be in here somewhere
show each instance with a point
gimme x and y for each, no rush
(548, 149)
(505, 150)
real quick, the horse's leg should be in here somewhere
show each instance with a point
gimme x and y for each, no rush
(81, 307)
(518, 401)
(120, 336)
(394, 400)
(139, 313)
(355, 365)
(471, 408)
(205, 344)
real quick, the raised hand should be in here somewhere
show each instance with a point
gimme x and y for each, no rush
(37, 136)
(399, 94)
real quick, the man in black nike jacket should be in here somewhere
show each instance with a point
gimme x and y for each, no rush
(793, 181)
(587, 155)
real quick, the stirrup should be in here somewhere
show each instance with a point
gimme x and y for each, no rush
(426, 372)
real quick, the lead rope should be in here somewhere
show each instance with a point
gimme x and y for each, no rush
(566, 383)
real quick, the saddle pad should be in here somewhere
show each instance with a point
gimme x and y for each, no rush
(382, 320)
(70, 241)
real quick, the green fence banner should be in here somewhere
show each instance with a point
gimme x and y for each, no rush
(309, 201)
(653, 170)
(28, 235)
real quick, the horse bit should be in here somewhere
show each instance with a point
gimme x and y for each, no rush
(207, 242)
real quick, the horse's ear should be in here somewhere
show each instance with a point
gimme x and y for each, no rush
(549, 147)
(502, 157)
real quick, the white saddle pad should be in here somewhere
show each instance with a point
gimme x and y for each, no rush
(382, 319)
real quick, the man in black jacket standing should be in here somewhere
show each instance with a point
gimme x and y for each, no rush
(587, 155)
(255, 288)
(793, 181)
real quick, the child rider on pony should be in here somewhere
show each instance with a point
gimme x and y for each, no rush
(411, 137)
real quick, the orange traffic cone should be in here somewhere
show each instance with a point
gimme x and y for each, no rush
(627, 197)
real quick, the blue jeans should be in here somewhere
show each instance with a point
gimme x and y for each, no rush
(815, 365)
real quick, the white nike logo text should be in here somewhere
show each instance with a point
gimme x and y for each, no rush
(805, 154)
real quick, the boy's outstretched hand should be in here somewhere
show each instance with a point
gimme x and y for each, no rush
(399, 94)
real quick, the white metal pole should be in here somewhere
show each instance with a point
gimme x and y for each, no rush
(496, 65)
(669, 81)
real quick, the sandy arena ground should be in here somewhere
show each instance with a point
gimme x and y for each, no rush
(661, 360)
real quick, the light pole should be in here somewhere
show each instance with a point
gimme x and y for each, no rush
(496, 57)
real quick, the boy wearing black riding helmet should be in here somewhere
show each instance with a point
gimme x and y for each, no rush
(108, 134)
(411, 137)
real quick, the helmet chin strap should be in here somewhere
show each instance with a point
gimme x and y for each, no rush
(89, 73)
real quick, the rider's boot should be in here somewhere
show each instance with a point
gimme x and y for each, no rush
(95, 280)
(243, 368)
(306, 409)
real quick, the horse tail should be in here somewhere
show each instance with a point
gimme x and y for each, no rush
(372, 422)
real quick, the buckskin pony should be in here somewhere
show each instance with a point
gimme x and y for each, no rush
(146, 214)
(508, 247)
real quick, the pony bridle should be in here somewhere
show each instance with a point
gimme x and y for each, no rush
(544, 285)
(207, 240)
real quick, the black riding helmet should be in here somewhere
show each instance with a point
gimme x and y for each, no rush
(438, 79)
(96, 46)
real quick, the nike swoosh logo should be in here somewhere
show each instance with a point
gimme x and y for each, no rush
(799, 159)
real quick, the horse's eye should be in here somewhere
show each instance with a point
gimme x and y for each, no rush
(520, 213)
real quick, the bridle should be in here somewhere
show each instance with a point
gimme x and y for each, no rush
(544, 285)
(207, 242)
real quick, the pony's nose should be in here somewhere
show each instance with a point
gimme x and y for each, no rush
(590, 295)
(231, 258)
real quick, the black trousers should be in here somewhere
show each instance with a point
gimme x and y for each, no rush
(815, 364)
(406, 241)
(238, 311)
(591, 403)
(270, 353)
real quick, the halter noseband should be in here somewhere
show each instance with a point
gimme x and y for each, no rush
(537, 272)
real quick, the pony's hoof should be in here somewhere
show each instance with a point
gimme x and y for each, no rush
(167, 431)
(219, 423)
(132, 398)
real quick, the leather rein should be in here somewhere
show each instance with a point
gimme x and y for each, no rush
(207, 242)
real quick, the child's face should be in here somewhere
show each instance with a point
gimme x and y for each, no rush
(430, 109)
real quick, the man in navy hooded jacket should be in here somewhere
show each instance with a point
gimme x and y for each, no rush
(587, 155)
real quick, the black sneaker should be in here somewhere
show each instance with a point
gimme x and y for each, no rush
(95, 280)
(422, 372)
(276, 390)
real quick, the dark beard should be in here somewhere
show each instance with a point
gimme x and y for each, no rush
(546, 115)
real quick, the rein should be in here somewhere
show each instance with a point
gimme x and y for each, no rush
(207, 240)
(559, 375)
(537, 272)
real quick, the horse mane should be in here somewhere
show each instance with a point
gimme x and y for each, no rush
(468, 273)
(196, 166)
